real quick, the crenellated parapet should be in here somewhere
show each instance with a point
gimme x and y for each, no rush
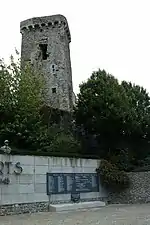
(47, 22)
(46, 46)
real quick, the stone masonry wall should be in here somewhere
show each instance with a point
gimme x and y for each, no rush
(15, 209)
(139, 191)
(53, 33)
(27, 192)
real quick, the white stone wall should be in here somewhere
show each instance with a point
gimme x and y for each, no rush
(30, 185)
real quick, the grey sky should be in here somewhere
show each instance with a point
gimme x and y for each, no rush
(109, 34)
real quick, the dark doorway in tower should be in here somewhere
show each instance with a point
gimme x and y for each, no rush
(43, 48)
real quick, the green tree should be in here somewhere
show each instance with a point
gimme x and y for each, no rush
(22, 118)
(138, 128)
(63, 141)
(115, 113)
(21, 99)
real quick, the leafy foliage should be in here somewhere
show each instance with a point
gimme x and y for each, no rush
(138, 128)
(112, 177)
(117, 115)
(22, 118)
(20, 103)
(112, 120)
(66, 142)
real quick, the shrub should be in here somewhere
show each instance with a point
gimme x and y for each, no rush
(65, 143)
(111, 177)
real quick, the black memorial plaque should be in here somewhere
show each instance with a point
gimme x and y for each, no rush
(65, 183)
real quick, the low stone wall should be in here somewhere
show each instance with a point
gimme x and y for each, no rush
(23, 208)
(138, 192)
(23, 182)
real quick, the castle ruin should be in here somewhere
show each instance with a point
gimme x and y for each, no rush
(45, 44)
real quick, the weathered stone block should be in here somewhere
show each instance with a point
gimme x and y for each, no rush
(90, 195)
(10, 199)
(54, 161)
(40, 178)
(16, 198)
(24, 160)
(89, 170)
(27, 169)
(40, 197)
(41, 169)
(78, 162)
(26, 188)
(78, 170)
(27, 160)
(78, 206)
(10, 189)
(41, 161)
(65, 162)
(40, 188)
(56, 169)
(73, 162)
(67, 169)
(14, 179)
(61, 170)
(92, 163)
(26, 179)
(60, 198)
(17, 189)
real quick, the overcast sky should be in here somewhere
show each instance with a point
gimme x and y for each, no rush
(108, 34)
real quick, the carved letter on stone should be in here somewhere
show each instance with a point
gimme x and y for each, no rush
(8, 166)
(19, 169)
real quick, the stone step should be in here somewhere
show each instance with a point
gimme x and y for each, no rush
(76, 206)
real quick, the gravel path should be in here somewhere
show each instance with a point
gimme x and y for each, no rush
(114, 214)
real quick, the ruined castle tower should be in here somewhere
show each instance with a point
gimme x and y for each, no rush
(45, 43)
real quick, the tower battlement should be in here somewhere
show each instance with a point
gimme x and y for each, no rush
(46, 22)
(45, 44)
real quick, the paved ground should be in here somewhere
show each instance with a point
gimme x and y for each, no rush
(118, 215)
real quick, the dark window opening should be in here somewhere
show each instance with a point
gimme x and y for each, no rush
(36, 26)
(53, 68)
(30, 27)
(43, 48)
(56, 22)
(53, 90)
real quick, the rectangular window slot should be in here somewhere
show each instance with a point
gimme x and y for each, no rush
(53, 90)
(43, 48)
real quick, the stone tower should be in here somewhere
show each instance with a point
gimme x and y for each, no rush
(45, 43)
